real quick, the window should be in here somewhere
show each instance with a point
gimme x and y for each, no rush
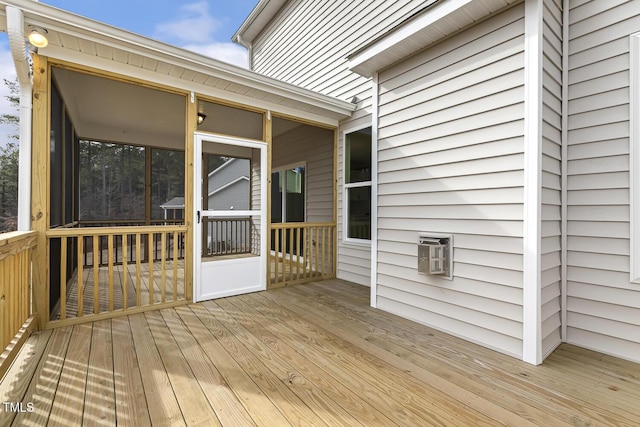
(288, 194)
(357, 185)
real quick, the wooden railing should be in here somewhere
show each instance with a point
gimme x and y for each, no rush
(302, 252)
(226, 236)
(108, 271)
(16, 318)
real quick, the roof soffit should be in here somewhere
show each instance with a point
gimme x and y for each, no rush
(439, 19)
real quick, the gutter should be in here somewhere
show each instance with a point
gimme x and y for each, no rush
(15, 30)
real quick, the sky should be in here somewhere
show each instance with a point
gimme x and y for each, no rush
(204, 26)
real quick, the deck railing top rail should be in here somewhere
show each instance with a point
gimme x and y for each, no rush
(15, 242)
(288, 225)
(105, 231)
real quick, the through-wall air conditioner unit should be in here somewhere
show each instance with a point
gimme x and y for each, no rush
(435, 254)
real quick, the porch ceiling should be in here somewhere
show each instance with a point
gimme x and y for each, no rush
(110, 110)
(90, 43)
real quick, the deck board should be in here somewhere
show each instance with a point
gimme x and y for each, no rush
(313, 354)
(131, 402)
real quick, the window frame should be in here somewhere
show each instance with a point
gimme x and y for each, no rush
(347, 186)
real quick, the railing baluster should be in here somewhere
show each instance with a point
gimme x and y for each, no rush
(163, 269)
(290, 251)
(80, 278)
(298, 257)
(138, 279)
(322, 269)
(110, 267)
(63, 277)
(317, 249)
(175, 265)
(150, 286)
(276, 253)
(305, 242)
(96, 274)
(125, 271)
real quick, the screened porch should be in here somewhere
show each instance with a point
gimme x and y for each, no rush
(121, 196)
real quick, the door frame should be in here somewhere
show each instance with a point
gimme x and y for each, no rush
(198, 140)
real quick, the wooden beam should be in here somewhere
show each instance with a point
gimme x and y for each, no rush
(40, 183)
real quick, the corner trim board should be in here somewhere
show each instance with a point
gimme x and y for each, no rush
(531, 304)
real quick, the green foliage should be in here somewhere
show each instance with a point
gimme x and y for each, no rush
(9, 163)
(112, 180)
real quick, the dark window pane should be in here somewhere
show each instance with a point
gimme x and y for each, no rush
(359, 212)
(276, 197)
(358, 156)
(295, 194)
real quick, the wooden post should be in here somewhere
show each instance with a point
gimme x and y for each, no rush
(40, 182)
(268, 137)
(191, 125)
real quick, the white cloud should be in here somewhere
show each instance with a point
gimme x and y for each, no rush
(194, 29)
(226, 52)
(192, 25)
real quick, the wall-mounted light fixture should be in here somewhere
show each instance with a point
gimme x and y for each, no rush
(201, 117)
(37, 37)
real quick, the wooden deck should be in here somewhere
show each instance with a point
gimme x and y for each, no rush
(312, 354)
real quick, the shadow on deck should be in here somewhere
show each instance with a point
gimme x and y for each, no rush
(314, 354)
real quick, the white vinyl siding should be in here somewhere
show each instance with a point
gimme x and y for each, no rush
(308, 43)
(225, 188)
(314, 147)
(255, 190)
(450, 160)
(603, 308)
(551, 176)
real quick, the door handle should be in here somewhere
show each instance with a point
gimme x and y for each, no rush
(198, 213)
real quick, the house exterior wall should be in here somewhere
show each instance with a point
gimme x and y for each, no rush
(228, 172)
(450, 149)
(308, 42)
(550, 245)
(289, 49)
(312, 146)
(603, 306)
(235, 195)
